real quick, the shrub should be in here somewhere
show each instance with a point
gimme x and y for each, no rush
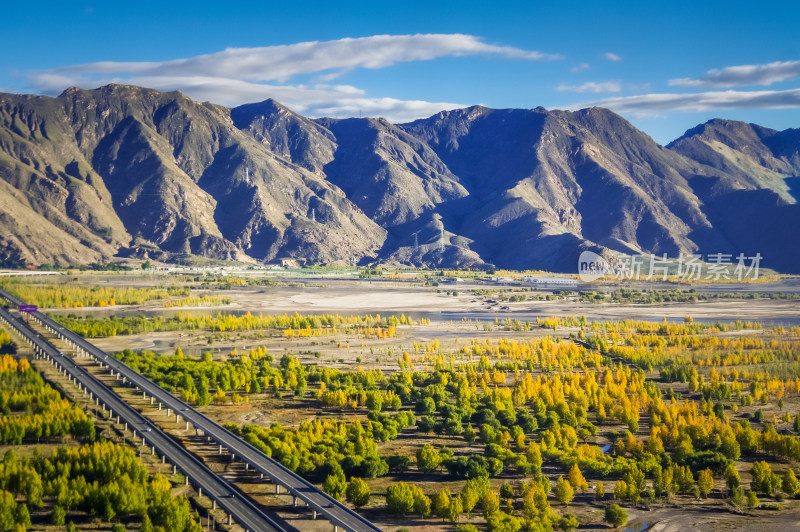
(615, 515)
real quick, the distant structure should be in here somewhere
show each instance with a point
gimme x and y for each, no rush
(247, 174)
(441, 240)
(416, 241)
(498, 279)
(313, 215)
(555, 281)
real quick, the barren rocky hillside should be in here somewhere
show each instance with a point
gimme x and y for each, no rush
(122, 170)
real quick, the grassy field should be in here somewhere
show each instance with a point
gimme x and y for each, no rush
(496, 406)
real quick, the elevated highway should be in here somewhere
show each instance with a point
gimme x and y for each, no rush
(318, 501)
(208, 483)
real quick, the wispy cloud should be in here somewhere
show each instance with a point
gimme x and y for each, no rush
(280, 63)
(240, 75)
(654, 104)
(765, 74)
(612, 56)
(582, 66)
(592, 86)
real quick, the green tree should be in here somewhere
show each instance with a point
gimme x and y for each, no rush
(737, 498)
(399, 499)
(22, 515)
(470, 495)
(456, 508)
(440, 505)
(108, 511)
(422, 503)
(790, 484)
(398, 463)
(426, 406)
(374, 401)
(255, 386)
(494, 466)
(490, 503)
(564, 492)
(764, 480)
(203, 395)
(428, 458)
(732, 478)
(530, 506)
(335, 484)
(147, 524)
(487, 433)
(534, 455)
(58, 516)
(357, 492)
(568, 522)
(752, 500)
(705, 481)
(615, 515)
(502, 522)
(469, 433)
(600, 490)
(300, 389)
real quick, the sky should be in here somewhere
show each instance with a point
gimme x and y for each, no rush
(666, 67)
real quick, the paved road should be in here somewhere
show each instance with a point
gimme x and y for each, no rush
(211, 485)
(317, 500)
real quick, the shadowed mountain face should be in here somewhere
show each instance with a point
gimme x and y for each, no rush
(122, 170)
(753, 199)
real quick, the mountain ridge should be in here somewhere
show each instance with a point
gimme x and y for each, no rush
(129, 171)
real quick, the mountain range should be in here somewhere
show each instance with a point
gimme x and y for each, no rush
(124, 171)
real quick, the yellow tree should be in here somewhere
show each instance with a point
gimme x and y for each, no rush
(576, 478)
(705, 481)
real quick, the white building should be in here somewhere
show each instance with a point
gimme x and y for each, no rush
(551, 281)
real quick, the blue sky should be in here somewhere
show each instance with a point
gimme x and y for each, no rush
(665, 67)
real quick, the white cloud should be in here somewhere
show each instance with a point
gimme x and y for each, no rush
(612, 56)
(765, 74)
(240, 75)
(280, 63)
(592, 86)
(653, 104)
(582, 66)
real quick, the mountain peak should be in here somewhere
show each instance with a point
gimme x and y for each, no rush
(69, 91)
(726, 130)
(123, 170)
(122, 91)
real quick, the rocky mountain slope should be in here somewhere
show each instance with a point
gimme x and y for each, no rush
(121, 171)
